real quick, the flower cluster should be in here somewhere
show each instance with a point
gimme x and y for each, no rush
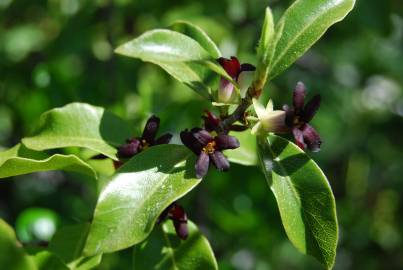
(147, 139)
(209, 142)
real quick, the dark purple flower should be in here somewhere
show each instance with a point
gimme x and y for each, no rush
(177, 214)
(233, 69)
(208, 149)
(136, 145)
(298, 117)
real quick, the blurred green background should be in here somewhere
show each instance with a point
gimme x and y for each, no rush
(59, 51)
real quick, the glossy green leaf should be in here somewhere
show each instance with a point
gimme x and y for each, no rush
(197, 34)
(79, 125)
(179, 55)
(20, 160)
(164, 45)
(304, 197)
(12, 255)
(246, 154)
(131, 202)
(165, 251)
(301, 26)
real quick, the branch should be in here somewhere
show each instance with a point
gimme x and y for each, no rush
(253, 92)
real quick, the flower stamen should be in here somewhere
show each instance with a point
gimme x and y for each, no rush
(209, 148)
(144, 144)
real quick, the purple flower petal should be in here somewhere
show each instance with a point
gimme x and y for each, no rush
(220, 161)
(299, 97)
(226, 142)
(202, 136)
(178, 213)
(211, 121)
(191, 142)
(299, 138)
(151, 129)
(311, 108)
(311, 138)
(231, 66)
(202, 164)
(129, 149)
(181, 229)
(289, 115)
(247, 67)
(164, 139)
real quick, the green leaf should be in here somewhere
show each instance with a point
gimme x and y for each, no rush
(304, 197)
(246, 154)
(301, 26)
(79, 125)
(20, 160)
(68, 244)
(137, 194)
(164, 45)
(179, 55)
(197, 34)
(12, 254)
(264, 50)
(164, 250)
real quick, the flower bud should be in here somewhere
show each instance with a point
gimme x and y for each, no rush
(269, 120)
(225, 91)
(235, 70)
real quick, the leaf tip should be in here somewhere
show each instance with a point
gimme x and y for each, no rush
(119, 50)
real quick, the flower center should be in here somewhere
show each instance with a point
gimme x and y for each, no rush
(209, 148)
(297, 121)
(144, 144)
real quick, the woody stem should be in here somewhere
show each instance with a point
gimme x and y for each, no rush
(254, 91)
